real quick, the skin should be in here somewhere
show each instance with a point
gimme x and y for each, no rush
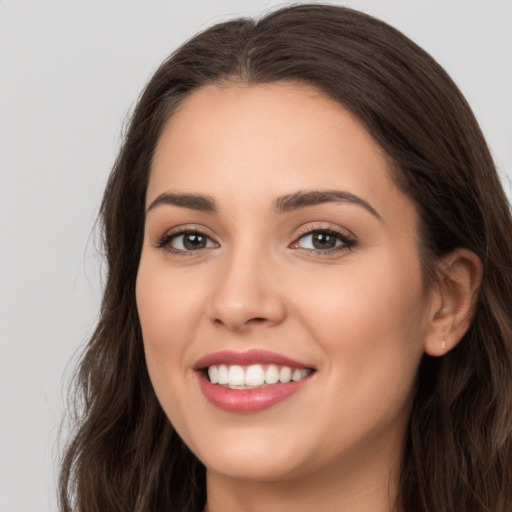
(362, 316)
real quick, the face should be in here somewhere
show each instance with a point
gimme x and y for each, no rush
(278, 247)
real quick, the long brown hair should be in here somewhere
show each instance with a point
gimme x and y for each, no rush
(125, 455)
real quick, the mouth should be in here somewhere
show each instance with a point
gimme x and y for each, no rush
(250, 381)
(254, 376)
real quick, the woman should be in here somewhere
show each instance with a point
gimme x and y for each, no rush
(309, 287)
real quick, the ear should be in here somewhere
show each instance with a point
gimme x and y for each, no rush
(453, 301)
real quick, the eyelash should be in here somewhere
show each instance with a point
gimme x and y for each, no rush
(165, 241)
(347, 242)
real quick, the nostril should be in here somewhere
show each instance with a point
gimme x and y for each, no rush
(257, 320)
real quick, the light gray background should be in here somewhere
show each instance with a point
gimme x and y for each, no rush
(69, 73)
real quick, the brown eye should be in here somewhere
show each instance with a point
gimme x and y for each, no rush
(324, 240)
(187, 241)
(193, 241)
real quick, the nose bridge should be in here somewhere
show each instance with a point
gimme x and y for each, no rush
(247, 290)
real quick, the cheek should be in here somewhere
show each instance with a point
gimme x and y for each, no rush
(370, 327)
(168, 320)
(168, 309)
(370, 322)
(166, 302)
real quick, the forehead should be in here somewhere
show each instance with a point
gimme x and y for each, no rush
(267, 140)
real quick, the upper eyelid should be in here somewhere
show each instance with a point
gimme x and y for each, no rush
(344, 232)
(188, 228)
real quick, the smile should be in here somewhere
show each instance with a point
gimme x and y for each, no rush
(250, 381)
(255, 375)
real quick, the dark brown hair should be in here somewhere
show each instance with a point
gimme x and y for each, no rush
(125, 455)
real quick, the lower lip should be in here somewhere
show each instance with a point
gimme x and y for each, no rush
(248, 400)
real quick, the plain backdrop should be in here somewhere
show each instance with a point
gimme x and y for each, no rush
(70, 72)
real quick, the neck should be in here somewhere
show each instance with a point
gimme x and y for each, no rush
(352, 488)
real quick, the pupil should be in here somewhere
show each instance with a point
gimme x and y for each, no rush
(194, 241)
(324, 241)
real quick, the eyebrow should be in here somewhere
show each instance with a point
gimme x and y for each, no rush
(283, 204)
(192, 201)
(303, 199)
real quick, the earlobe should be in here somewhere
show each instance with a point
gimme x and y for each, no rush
(455, 298)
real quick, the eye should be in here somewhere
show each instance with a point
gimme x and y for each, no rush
(324, 241)
(186, 241)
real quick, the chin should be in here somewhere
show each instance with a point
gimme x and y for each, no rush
(253, 454)
(255, 465)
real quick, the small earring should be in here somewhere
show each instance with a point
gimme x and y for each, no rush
(443, 345)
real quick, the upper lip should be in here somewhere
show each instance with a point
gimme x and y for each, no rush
(229, 357)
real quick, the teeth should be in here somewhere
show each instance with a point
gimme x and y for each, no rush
(255, 375)
(272, 374)
(236, 375)
(285, 374)
(213, 373)
(223, 374)
(296, 375)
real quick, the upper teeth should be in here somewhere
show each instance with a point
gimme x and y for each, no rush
(234, 376)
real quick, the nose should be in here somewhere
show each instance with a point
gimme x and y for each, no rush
(247, 292)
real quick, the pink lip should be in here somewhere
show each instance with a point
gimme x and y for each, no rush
(230, 357)
(247, 400)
